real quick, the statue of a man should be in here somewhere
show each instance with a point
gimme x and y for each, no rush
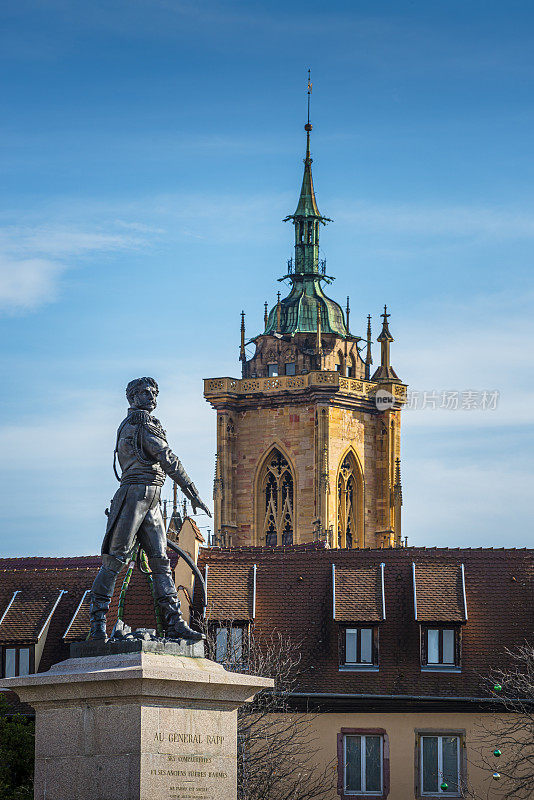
(135, 517)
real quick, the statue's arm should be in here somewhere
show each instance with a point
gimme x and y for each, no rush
(160, 451)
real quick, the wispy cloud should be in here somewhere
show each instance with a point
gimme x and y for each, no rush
(34, 258)
(27, 283)
(483, 345)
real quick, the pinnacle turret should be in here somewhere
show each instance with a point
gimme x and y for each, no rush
(385, 371)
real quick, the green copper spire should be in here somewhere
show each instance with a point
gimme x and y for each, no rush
(307, 216)
(307, 206)
(297, 313)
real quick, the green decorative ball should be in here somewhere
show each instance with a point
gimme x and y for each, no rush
(496, 776)
(497, 753)
(497, 687)
(444, 786)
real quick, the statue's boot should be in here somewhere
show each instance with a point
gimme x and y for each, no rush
(101, 594)
(169, 605)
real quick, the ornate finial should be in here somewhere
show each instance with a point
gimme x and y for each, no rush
(385, 334)
(308, 126)
(174, 497)
(184, 508)
(348, 313)
(242, 356)
(278, 314)
(385, 372)
(309, 94)
(368, 356)
(265, 313)
(165, 513)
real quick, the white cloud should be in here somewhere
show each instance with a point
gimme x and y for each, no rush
(27, 283)
(477, 347)
(33, 258)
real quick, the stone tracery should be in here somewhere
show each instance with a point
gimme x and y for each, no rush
(275, 501)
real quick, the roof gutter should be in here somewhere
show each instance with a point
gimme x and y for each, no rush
(334, 695)
(463, 590)
(414, 591)
(382, 567)
(334, 591)
(2, 618)
(61, 593)
(254, 570)
(206, 587)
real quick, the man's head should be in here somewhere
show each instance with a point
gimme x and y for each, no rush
(141, 393)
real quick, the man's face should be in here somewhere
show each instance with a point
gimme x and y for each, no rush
(145, 398)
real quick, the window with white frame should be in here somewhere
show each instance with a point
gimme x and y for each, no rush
(440, 647)
(16, 661)
(440, 765)
(361, 646)
(229, 643)
(363, 769)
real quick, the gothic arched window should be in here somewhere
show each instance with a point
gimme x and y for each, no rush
(348, 502)
(276, 501)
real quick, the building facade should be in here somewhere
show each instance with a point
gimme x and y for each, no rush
(395, 647)
(396, 652)
(308, 438)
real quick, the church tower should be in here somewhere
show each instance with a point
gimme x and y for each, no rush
(308, 442)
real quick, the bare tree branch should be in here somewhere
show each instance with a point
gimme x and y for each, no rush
(277, 747)
(504, 742)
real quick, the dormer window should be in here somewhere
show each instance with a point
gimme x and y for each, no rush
(440, 647)
(17, 661)
(361, 646)
(229, 643)
(440, 608)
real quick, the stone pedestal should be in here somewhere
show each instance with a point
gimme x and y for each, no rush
(136, 726)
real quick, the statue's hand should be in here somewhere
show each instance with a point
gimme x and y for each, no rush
(196, 502)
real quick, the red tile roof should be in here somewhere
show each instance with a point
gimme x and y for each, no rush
(358, 594)
(79, 626)
(230, 592)
(27, 613)
(439, 592)
(294, 596)
(46, 577)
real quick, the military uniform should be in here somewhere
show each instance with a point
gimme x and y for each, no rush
(135, 516)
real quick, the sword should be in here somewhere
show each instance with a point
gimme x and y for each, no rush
(190, 563)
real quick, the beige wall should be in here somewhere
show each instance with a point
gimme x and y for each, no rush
(183, 575)
(245, 437)
(400, 728)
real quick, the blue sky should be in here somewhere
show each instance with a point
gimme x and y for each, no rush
(149, 150)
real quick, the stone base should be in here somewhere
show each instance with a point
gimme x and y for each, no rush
(168, 647)
(136, 726)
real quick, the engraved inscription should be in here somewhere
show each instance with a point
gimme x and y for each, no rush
(189, 766)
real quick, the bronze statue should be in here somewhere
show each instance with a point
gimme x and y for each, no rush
(135, 517)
